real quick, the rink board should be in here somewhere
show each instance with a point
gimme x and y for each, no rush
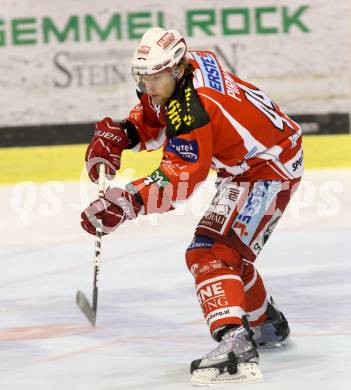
(66, 162)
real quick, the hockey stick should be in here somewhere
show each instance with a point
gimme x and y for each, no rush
(82, 301)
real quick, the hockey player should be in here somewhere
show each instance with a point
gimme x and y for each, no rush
(205, 117)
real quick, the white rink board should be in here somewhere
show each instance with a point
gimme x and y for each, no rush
(149, 323)
(81, 80)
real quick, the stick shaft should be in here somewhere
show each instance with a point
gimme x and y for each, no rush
(98, 236)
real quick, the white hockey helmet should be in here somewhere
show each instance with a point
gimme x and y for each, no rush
(158, 49)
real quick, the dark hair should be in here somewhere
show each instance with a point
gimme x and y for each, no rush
(188, 68)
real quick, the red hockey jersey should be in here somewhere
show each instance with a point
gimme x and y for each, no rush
(213, 120)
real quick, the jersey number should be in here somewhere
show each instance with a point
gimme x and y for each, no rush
(266, 106)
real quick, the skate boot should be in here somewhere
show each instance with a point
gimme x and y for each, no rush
(273, 333)
(235, 360)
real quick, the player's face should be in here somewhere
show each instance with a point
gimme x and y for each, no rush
(159, 86)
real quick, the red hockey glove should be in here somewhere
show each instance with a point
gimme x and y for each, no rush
(112, 209)
(107, 145)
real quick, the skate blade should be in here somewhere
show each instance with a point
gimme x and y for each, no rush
(274, 345)
(247, 373)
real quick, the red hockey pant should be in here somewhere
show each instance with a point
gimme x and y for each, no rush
(228, 239)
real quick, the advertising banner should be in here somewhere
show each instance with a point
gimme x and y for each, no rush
(68, 62)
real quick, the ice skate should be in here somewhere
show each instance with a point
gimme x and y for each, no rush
(274, 332)
(235, 360)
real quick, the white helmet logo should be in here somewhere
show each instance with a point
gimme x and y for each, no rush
(166, 40)
(144, 50)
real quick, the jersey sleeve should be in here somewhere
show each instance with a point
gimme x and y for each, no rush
(185, 164)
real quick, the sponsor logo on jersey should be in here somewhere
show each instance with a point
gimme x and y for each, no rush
(258, 243)
(179, 114)
(212, 297)
(218, 313)
(298, 163)
(184, 113)
(210, 70)
(187, 150)
(253, 210)
(201, 242)
(218, 214)
(226, 197)
(210, 266)
(173, 112)
(211, 291)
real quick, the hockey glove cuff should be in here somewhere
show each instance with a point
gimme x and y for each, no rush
(106, 147)
(111, 210)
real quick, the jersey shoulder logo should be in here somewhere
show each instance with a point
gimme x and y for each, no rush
(210, 70)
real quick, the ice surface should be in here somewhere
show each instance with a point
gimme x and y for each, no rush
(149, 325)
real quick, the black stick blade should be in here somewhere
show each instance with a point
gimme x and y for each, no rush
(84, 305)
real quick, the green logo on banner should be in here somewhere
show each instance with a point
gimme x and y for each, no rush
(131, 26)
(244, 21)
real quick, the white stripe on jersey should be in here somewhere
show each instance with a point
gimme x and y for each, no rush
(272, 156)
(234, 169)
(198, 80)
(270, 163)
(256, 314)
(293, 138)
(248, 285)
(224, 312)
(250, 142)
(154, 144)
